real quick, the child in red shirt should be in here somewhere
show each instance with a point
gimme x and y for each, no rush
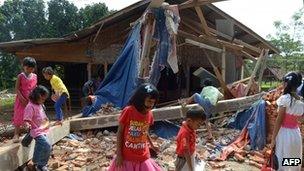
(133, 138)
(186, 139)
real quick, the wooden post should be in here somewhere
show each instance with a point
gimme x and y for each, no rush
(188, 80)
(200, 15)
(227, 93)
(224, 63)
(243, 71)
(89, 69)
(253, 75)
(263, 67)
(148, 33)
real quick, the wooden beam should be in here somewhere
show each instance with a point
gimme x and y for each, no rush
(263, 67)
(224, 63)
(202, 45)
(243, 71)
(253, 75)
(13, 155)
(155, 3)
(247, 55)
(199, 3)
(241, 81)
(98, 32)
(188, 77)
(227, 93)
(200, 15)
(246, 45)
(165, 113)
(191, 27)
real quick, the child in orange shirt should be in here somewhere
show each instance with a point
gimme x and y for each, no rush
(133, 138)
(186, 139)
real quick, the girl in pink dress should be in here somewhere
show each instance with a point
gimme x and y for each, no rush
(26, 82)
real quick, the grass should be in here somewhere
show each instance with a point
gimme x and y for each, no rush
(269, 85)
(7, 103)
(6, 108)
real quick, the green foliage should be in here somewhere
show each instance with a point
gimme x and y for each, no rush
(63, 18)
(93, 13)
(289, 38)
(9, 69)
(31, 19)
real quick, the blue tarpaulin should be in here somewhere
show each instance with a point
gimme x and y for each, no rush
(121, 80)
(165, 129)
(254, 120)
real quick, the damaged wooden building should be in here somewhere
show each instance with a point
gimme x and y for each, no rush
(205, 33)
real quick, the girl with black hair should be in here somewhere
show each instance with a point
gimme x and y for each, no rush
(286, 135)
(39, 126)
(133, 138)
(300, 89)
(25, 83)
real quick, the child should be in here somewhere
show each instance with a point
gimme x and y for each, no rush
(208, 100)
(186, 139)
(286, 135)
(39, 125)
(26, 82)
(133, 138)
(61, 93)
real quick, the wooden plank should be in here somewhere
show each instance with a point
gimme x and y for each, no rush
(155, 3)
(13, 155)
(243, 71)
(200, 15)
(253, 75)
(263, 67)
(198, 39)
(247, 55)
(165, 113)
(224, 63)
(191, 27)
(202, 45)
(232, 43)
(188, 75)
(242, 26)
(246, 45)
(101, 25)
(227, 93)
(241, 81)
(199, 3)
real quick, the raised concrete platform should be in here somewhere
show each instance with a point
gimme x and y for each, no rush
(165, 113)
(13, 155)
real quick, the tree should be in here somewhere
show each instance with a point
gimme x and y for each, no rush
(92, 13)
(63, 18)
(289, 38)
(19, 19)
(29, 19)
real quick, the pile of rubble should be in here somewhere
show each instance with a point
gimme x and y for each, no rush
(94, 151)
(271, 109)
(107, 109)
(84, 150)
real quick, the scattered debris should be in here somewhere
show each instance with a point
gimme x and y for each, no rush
(107, 109)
